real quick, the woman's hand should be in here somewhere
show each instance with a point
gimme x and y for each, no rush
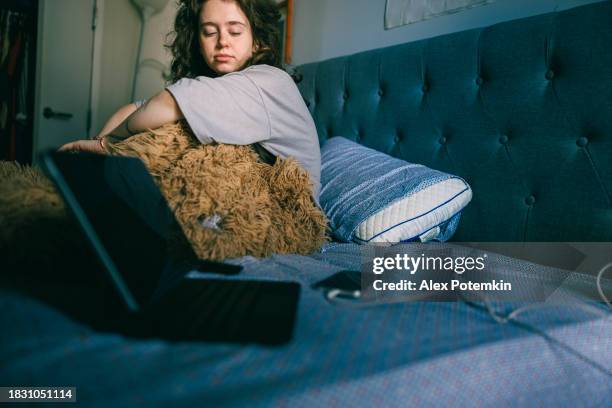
(88, 146)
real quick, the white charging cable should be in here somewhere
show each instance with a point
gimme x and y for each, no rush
(512, 315)
(599, 289)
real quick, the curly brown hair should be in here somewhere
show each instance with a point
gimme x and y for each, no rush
(187, 61)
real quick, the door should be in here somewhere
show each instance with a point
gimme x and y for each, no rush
(63, 78)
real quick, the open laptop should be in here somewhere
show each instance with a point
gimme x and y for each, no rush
(145, 258)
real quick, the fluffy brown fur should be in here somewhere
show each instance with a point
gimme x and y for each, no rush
(228, 202)
(259, 209)
(35, 230)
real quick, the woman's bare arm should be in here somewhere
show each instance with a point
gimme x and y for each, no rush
(157, 111)
(116, 119)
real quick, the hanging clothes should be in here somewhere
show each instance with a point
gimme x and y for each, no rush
(16, 36)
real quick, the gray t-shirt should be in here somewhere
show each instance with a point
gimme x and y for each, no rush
(258, 104)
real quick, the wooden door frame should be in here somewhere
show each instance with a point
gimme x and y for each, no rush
(288, 6)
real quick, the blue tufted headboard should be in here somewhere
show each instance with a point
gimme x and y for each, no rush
(522, 110)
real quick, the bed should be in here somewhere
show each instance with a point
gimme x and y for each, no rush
(521, 111)
(412, 353)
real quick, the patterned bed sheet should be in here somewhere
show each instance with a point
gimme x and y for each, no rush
(416, 353)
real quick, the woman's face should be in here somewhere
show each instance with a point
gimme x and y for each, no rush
(226, 39)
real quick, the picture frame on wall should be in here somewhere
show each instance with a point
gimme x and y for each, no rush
(286, 27)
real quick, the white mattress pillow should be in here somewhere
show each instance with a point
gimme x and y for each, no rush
(370, 196)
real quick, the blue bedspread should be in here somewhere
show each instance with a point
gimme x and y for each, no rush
(422, 353)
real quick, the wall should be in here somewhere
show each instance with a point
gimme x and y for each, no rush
(150, 80)
(119, 24)
(329, 28)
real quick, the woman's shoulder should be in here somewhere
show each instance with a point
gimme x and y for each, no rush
(267, 75)
(264, 69)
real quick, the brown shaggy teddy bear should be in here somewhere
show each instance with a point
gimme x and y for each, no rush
(35, 230)
(229, 203)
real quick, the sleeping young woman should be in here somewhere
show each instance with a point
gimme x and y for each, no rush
(227, 85)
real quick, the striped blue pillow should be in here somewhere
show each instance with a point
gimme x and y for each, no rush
(371, 197)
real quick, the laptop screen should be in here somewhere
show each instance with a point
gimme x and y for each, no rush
(127, 221)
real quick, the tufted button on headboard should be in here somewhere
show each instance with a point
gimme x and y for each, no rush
(521, 110)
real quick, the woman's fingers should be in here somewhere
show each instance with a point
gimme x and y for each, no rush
(89, 146)
(67, 147)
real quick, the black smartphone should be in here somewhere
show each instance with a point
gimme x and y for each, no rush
(243, 311)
